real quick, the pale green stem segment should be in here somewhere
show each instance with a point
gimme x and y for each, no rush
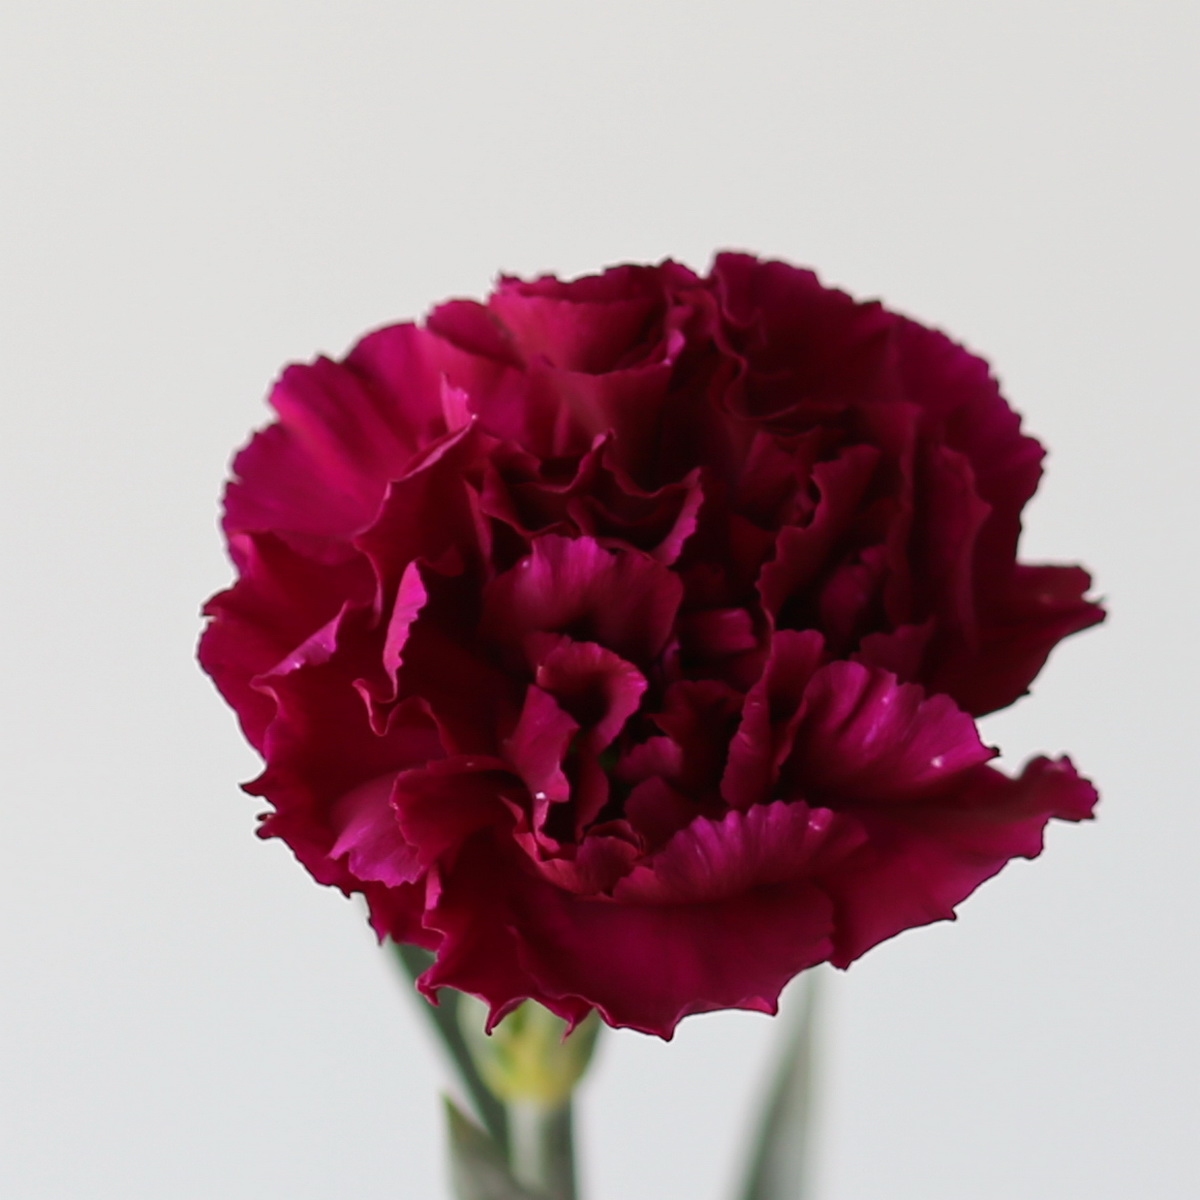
(780, 1166)
(543, 1149)
(445, 1018)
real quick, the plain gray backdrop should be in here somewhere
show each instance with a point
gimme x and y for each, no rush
(194, 193)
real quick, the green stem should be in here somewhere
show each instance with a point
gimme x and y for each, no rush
(780, 1166)
(543, 1149)
(444, 1016)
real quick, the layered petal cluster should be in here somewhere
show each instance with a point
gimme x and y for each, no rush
(621, 640)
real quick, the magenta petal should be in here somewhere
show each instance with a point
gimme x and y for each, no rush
(555, 331)
(441, 805)
(1041, 606)
(474, 702)
(595, 865)
(537, 747)
(473, 328)
(803, 552)
(281, 599)
(957, 389)
(711, 860)
(597, 687)
(320, 473)
(919, 864)
(369, 837)
(507, 935)
(944, 552)
(646, 967)
(427, 512)
(770, 716)
(474, 917)
(403, 366)
(716, 633)
(700, 717)
(900, 651)
(867, 738)
(623, 600)
(410, 599)
(657, 811)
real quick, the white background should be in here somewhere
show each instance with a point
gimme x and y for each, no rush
(193, 193)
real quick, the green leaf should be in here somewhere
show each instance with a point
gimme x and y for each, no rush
(478, 1169)
(779, 1162)
(444, 1016)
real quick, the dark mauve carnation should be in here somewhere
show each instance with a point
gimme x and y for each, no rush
(621, 639)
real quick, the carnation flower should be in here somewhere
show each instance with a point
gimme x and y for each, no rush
(620, 640)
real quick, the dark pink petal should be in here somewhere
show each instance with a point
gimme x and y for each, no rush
(411, 596)
(597, 687)
(404, 369)
(280, 600)
(901, 651)
(803, 552)
(774, 485)
(944, 543)
(439, 806)
(920, 863)
(591, 339)
(368, 836)
(1041, 606)
(601, 691)
(474, 329)
(766, 844)
(623, 600)
(319, 474)
(531, 496)
(537, 747)
(646, 967)
(614, 508)
(507, 935)
(957, 389)
(473, 701)
(656, 810)
(700, 717)
(615, 284)
(399, 913)
(590, 868)
(864, 737)
(747, 552)
(804, 340)
(331, 811)
(851, 596)
(473, 918)
(427, 513)
(479, 359)
(716, 633)
(770, 718)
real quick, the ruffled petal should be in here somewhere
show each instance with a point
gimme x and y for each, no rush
(369, 838)
(866, 738)
(804, 553)
(597, 687)
(1042, 605)
(623, 600)
(767, 844)
(439, 806)
(279, 601)
(508, 935)
(319, 474)
(918, 865)
(770, 717)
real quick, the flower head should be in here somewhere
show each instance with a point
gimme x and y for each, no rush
(621, 639)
